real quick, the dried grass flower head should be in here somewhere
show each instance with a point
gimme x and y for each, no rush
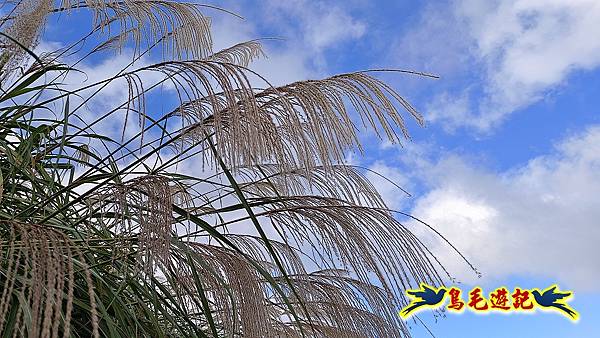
(133, 235)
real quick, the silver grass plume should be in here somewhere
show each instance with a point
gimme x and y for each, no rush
(41, 274)
(179, 28)
(342, 182)
(152, 196)
(237, 290)
(368, 241)
(144, 206)
(305, 124)
(25, 26)
(82, 154)
(240, 54)
(337, 303)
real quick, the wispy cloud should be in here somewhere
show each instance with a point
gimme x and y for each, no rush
(318, 23)
(502, 55)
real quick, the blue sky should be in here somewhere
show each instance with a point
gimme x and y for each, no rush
(508, 164)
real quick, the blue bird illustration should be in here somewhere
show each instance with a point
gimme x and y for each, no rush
(424, 296)
(552, 298)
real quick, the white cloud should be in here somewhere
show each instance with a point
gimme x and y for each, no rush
(452, 111)
(321, 24)
(539, 219)
(523, 48)
(333, 25)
